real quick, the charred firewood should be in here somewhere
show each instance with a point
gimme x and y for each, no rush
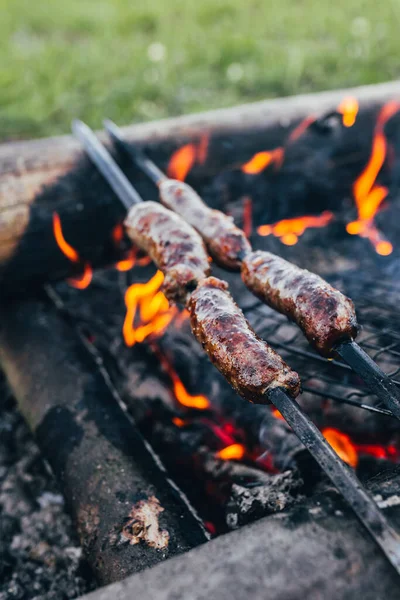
(247, 504)
(127, 514)
(315, 550)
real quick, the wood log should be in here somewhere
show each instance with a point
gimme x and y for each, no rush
(316, 550)
(127, 513)
(40, 177)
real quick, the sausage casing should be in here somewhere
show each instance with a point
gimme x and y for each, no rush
(248, 363)
(226, 243)
(325, 315)
(173, 245)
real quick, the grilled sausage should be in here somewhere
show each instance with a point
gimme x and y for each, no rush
(226, 243)
(248, 363)
(173, 245)
(324, 314)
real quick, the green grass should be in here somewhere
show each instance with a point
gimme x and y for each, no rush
(61, 59)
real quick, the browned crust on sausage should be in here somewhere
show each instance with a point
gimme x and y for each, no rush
(173, 245)
(325, 315)
(248, 363)
(226, 243)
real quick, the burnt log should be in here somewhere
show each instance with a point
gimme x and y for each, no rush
(127, 513)
(315, 550)
(40, 177)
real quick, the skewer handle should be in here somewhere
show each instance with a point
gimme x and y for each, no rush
(147, 165)
(106, 165)
(341, 476)
(378, 382)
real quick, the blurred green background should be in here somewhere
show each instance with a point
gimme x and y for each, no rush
(136, 61)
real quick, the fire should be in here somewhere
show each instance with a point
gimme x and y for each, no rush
(181, 394)
(232, 452)
(132, 260)
(183, 159)
(342, 444)
(289, 230)
(367, 194)
(261, 160)
(85, 279)
(301, 128)
(349, 111)
(146, 301)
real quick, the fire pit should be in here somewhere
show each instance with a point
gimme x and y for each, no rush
(153, 451)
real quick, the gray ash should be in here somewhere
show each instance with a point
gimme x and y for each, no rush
(39, 554)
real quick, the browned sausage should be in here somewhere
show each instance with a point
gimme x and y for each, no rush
(174, 246)
(226, 243)
(323, 313)
(248, 363)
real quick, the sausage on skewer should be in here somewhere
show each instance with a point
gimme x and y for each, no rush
(226, 243)
(248, 363)
(325, 315)
(173, 245)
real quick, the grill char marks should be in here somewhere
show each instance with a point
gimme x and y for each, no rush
(248, 363)
(325, 315)
(226, 243)
(173, 245)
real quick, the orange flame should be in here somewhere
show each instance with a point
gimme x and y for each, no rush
(181, 394)
(261, 160)
(342, 444)
(301, 128)
(232, 452)
(289, 230)
(149, 303)
(349, 111)
(132, 260)
(85, 279)
(367, 194)
(183, 159)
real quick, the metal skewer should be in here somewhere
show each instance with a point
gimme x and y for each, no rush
(138, 157)
(340, 474)
(378, 382)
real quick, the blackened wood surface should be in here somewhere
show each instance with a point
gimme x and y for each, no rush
(102, 463)
(43, 176)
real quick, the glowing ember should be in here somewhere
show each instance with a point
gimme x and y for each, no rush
(367, 194)
(390, 452)
(289, 230)
(178, 422)
(342, 444)
(85, 279)
(145, 300)
(261, 160)
(277, 414)
(182, 161)
(349, 111)
(232, 452)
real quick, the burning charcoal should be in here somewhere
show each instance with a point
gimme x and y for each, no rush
(247, 504)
